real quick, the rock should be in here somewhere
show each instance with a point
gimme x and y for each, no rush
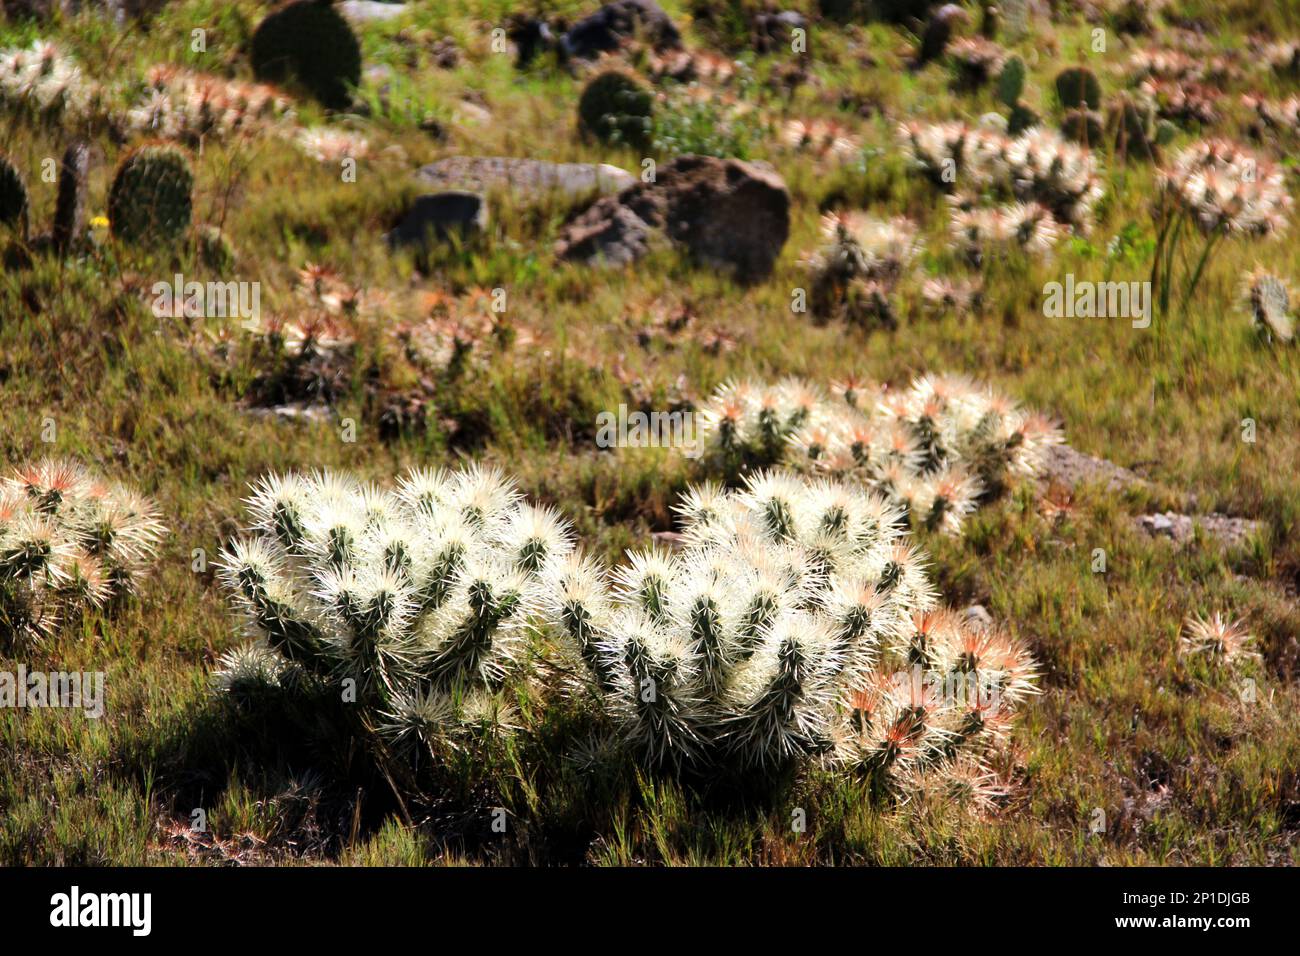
(1179, 528)
(1065, 466)
(978, 617)
(612, 236)
(531, 36)
(727, 213)
(615, 23)
(440, 216)
(370, 11)
(772, 30)
(524, 178)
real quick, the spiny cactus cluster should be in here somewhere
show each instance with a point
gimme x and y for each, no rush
(310, 42)
(187, 106)
(978, 231)
(932, 450)
(977, 61)
(332, 145)
(823, 138)
(413, 600)
(69, 541)
(616, 107)
(43, 80)
(1282, 115)
(796, 621)
(1269, 302)
(149, 201)
(854, 274)
(1038, 165)
(1227, 189)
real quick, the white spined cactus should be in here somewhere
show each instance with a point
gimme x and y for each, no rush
(932, 450)
(418, 595)
(793, 604)
(69, 541)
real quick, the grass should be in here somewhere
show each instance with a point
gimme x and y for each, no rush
(1180, 768)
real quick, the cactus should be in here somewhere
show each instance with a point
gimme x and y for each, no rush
(214, 249)
(932, 450)
(794, 607)
(70, 210)
(1083, 126)
(417, 596)
(310, 42)
(1134, 128)
(617, 107)
(1077, 88)
(13, 195)
(69, 541)
(1011, 82)
(149, 202)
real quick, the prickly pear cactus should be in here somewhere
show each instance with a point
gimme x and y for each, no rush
(1078, 89)
(1021, 119)
(617, 107)
(13, 194)
(1134, 124)
(1011, 82)
(310, 42)
(70, 210)
(149, 202)
(1083, 126)
(214, 250)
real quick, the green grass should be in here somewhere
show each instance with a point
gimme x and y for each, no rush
(1183, 771)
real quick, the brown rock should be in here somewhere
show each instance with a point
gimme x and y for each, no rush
(727, 213)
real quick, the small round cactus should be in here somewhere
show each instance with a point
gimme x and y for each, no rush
(616, 107)
(13, 194)
(149, 202)
(309, 41)
(1077, 88)
(1083, 126)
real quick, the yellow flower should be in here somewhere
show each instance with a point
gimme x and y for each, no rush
(99, 222)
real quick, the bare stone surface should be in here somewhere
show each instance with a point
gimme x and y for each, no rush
(1179, 528)
(1066, 466)
(524, 178)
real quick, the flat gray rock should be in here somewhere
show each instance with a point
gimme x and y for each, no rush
(1180, 529)
(525, 178)
(1066, 466)
(368, 11)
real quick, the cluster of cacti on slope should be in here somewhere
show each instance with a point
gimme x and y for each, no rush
(183, 105)
(419, 597)
(69, 541)
(932, 449)
(1227, 189)
(797, 621)
(44, 80)
(853, 275)
(1037, 166)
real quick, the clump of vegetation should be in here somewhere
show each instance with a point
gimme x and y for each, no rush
(412, 603)
(854, 274)
(932, 450)
(70, 541)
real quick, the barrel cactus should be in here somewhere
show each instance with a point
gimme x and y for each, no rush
(1078, 89)
(617, 107)
(150, 199)
(310, 42)
(13, 194)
